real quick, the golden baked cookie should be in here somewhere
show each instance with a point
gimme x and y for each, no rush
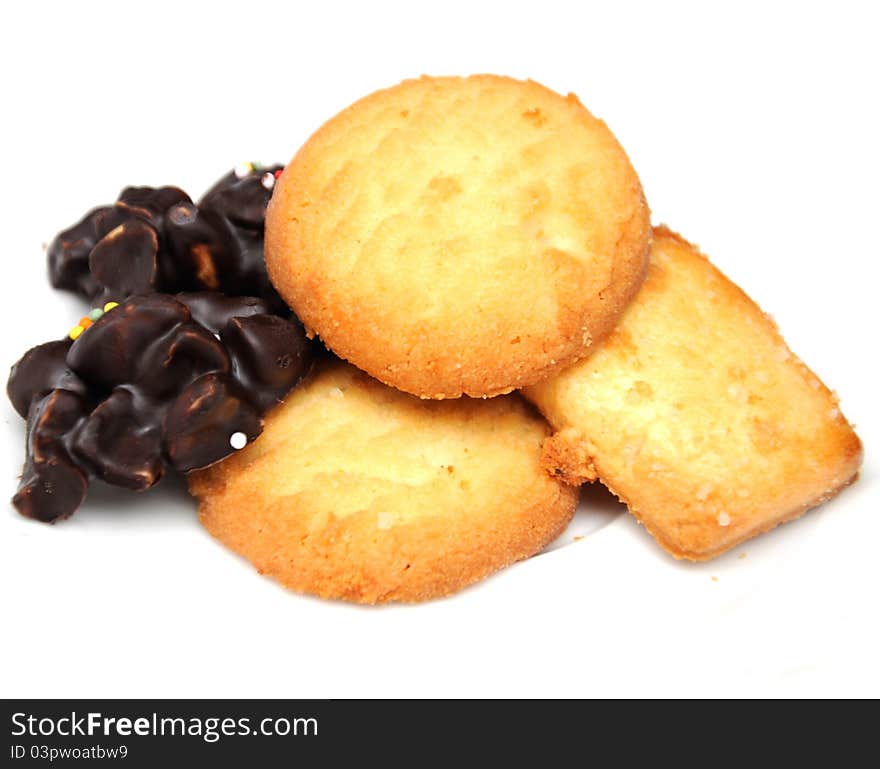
(697, 415)
(358, 491)
(459, 235)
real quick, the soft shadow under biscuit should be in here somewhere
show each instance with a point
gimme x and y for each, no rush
(696, 414)
(360, 492)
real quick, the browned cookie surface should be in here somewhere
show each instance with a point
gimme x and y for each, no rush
(459, 235)
(697, 415)
(360, 492)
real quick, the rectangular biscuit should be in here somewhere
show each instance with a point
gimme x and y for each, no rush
(696, 414)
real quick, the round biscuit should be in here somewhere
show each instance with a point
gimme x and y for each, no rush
(360, 492)
(459, 235)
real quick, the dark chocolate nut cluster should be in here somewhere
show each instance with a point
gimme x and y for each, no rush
(157, 381)
(156, 239)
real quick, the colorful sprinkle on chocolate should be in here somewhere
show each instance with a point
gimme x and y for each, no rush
(86, 321)
(243, 169)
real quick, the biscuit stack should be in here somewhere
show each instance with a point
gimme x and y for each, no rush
(454, 240)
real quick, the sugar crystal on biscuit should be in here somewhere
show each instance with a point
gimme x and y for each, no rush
(384, 521)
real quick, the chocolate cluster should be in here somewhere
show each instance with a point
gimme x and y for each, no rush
(157, 381)
(156, 239)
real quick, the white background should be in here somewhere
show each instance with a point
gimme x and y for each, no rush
(755, 132)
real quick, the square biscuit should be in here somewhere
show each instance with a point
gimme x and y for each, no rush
(696, 414)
